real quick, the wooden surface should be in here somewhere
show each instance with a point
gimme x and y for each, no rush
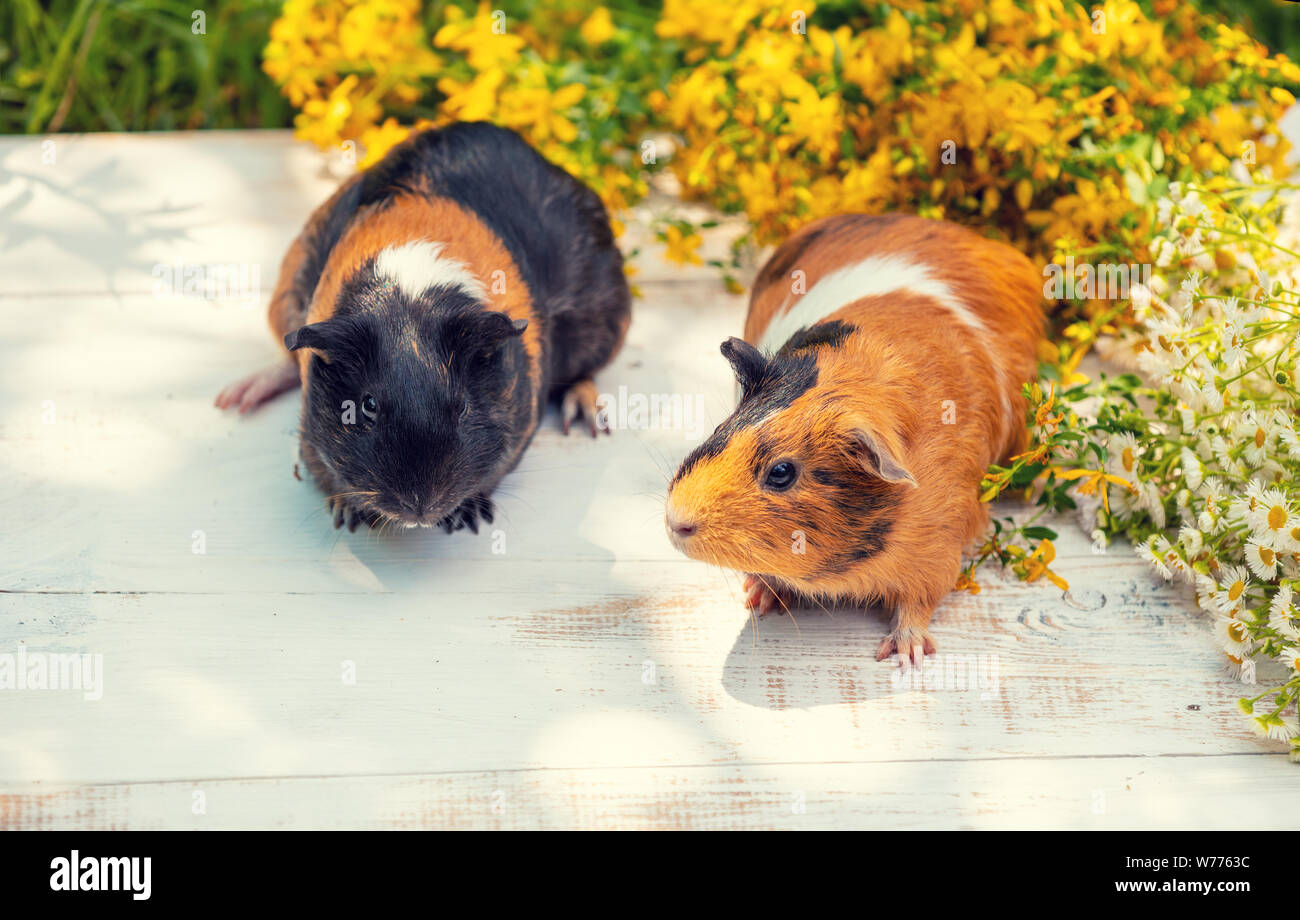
(583, 675)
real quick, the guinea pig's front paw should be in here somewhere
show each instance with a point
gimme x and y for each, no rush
(761, 597)
(468, 514)
(350, 515)
(910, 643)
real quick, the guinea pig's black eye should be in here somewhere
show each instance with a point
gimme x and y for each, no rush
(369, 406)
(464, 410)
(781, 477)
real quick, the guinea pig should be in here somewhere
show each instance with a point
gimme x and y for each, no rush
(880, 374)
(431, 308)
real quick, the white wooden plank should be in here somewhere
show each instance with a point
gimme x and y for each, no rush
(1199, 793)
(254, 685)
(96, 213)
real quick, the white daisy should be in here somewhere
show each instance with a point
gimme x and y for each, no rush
(1222, 450)
(1282, 615)
(1230, 595)
(1164, 252)
(1275, 727)
(1262, 560)
(1270, 517)
(1233, 637)
(1176, 564)
(1284, 425)
(1253, 435)
(1153, 552)
(1242, 669)
(1124, 452)
(1212, 397)
(1232, 340)
(1192, 540)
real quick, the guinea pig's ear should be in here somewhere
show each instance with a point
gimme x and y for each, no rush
(498, 327)
(876, 458)
(316, 337)
(746, 360)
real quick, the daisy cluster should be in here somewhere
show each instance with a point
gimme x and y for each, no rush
(1195, 458)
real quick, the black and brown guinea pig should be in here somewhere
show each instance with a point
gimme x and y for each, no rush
(431, 308)
(880, 374)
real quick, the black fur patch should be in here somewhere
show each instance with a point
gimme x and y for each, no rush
(831, 333)
(438, 366)
(869, 504)
(768, 384)
(782, 380)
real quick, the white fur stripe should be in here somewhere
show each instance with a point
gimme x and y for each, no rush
(873, 276)
(417, 266)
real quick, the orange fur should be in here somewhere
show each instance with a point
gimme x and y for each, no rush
(992, 277)
(906, 367)
(286, 310)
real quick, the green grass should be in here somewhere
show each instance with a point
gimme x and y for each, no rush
(1274, 22)
(135, 65)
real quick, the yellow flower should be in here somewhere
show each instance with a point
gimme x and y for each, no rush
(681, 247)
(540, 112)
(472, 101)
(484, 40)
(1036, 564)
(814, 120)
(378, 140)
(598, 28)
(966, 583)
(323, 120)
(1094, 481)
(710, 23)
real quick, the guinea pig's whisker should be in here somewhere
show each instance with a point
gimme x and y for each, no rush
(355, 494)
(781, 601)
(310, 513)
(826, 610)
(738, 587)
(515, 496)
(658, 459)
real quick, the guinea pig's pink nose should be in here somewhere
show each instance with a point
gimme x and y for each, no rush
(679, 527)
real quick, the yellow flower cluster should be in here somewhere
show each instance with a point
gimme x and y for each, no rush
(1044, 121)
(1054, 124)
(344, 63)
(349, 63)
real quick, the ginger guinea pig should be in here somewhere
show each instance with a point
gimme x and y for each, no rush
(880, 375)
(431, 308)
